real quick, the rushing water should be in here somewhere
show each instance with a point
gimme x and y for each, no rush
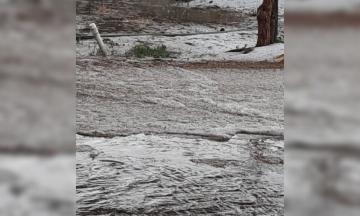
(153, 175)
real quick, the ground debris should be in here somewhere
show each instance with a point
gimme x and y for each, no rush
(211, 162)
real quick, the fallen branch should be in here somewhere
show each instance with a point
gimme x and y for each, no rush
(243, 50)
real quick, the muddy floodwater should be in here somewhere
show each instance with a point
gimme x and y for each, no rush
(155, 175)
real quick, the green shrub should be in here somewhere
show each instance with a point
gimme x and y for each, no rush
(141, 51)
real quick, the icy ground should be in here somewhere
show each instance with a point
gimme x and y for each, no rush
(209, 47)
(322, 122)
(169, 140)
(171, 160)
(36, 186)
(202, 47)
(121, 99)
(152, 175)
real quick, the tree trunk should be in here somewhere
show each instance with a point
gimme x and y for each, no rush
(267, 18)
(274, 21)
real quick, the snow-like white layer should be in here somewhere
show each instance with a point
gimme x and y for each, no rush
(211, 47)
(322, 86)
(239, 5)
(187, 164)
(45, 182)
(322, 5)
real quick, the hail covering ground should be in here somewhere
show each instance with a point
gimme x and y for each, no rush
(195, 48)
(167, 139)
(199, 47)
(322, 135)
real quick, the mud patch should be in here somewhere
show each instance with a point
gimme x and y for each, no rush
(84, 148)
(325, 20)
(234, 65)
(126, 16)
(211, 162)
(267, 151)
(262, 65)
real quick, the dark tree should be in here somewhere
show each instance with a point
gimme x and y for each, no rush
(274, 21)
(267, 17)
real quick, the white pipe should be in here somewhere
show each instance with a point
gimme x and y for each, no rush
(98, 38)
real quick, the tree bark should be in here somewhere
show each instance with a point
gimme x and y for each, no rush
(267, 18)
(274, 21)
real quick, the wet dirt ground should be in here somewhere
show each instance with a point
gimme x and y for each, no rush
(149, 16)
